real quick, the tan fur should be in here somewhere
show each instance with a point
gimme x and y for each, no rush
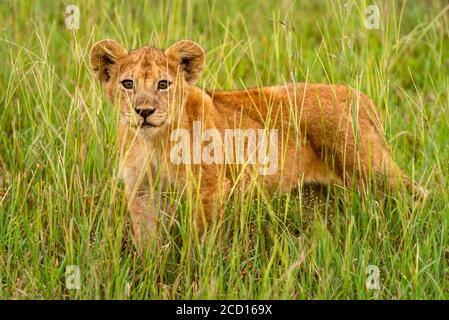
(328, 133)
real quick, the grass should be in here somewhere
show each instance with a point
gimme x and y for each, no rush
(62, 204)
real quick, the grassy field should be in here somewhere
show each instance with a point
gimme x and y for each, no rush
(61, 203)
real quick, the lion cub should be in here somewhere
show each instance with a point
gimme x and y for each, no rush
(209, 143)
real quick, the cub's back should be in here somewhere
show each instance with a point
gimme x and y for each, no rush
(282, 102)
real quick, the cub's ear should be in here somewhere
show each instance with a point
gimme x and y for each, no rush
(189, 56)
(103, 55)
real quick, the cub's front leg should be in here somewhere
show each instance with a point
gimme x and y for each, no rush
(215, 189)
(142, 206)
(143, 217)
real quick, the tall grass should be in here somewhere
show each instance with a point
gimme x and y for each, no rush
(61, 202)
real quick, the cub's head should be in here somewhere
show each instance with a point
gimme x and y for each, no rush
(148, 84)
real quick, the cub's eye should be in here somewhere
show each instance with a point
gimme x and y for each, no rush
(163, 84)
(127, 84)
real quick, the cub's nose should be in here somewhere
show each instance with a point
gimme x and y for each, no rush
(144, 113)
